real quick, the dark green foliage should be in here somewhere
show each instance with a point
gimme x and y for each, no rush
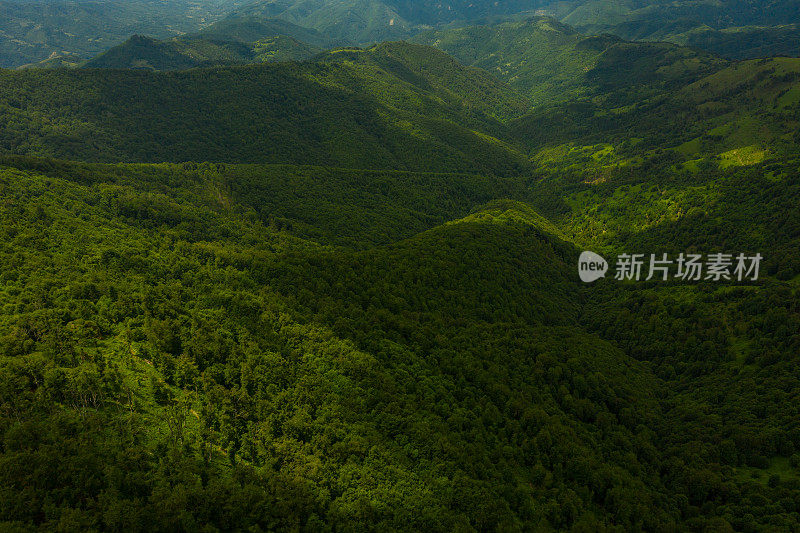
(33, 32)
(748, 42)
(178, 349)
(222, 346)
(181, 359)
(232, 41)
(335, 113)
(551, 61)
(140, 52)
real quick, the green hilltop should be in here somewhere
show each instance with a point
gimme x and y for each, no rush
(233, 40)
(550, 61)
(141, 52)
(341, 111)
(547, 96)
(31, 32)
(404, 102)
(640, 97)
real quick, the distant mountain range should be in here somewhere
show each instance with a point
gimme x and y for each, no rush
(539, 84)
(32, 32)
(692, 22)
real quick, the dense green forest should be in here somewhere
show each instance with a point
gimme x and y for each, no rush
(344, 111)
(337, 291)
(412, 107)
(284, 347)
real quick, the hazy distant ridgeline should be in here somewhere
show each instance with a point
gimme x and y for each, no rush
(405, 106)
(33, 32)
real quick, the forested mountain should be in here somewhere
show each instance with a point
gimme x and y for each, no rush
(340, 293)
(358, 18)
(735, 42)
(352, 21)
(182, 53)
(230, 41)
(251, 29)
(639, 96)
(550, 61)
(404, 101)
(597, 15)
(737, 29)
(342, 111)
(315, 342)
(31, 31)
(740, 114)
(270, 384)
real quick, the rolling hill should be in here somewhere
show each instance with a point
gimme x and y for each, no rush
(338, 111)
(736, 42)
(732, 28)
(741, 114)
(349, 21)
(635, 96)
(229, 41)
(32, 31)
(561, 87)
(412, 351)
(551, 61)
(183, 53)
(251, 29)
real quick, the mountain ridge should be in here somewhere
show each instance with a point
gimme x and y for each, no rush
(402, 124)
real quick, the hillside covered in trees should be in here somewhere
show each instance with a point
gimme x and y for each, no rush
(341, 293)
(403, 351)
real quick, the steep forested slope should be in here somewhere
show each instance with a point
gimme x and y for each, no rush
(340, 112)
(235, 363)
(740, 114)
(226, 346)
(393, 372)
(403, 103)
(640, 97)
(551, 61)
